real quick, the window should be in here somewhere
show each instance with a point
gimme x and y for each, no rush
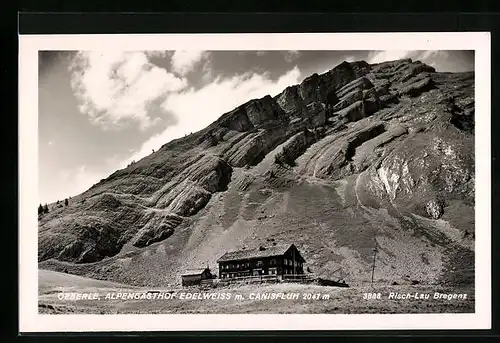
(273, 262)
(286, 262)
(259, 263)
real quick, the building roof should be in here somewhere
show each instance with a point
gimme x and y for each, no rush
(275, 250)
(189, 272)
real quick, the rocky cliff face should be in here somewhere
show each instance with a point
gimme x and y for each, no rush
(359, 156)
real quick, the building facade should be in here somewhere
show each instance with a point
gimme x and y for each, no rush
(275, 260)
(195, 276)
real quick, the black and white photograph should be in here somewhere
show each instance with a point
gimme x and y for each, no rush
(274, 181)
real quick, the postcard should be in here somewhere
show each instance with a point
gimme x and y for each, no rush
(254, 182)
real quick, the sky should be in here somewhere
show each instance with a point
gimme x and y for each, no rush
(99, 111)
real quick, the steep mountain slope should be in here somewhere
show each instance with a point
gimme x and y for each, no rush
(362, 155)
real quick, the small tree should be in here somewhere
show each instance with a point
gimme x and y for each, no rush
(66, 202)
(45, 209)
(40, 209)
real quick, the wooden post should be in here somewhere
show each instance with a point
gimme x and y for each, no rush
(375, 251)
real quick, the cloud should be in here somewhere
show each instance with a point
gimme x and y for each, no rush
(207, 72)
(104, 84)
(441, 60)
(292, 55)
(184, 61)
(446, 61)
(159, 53)
(387, 55)
(197, 108)
(115, 88)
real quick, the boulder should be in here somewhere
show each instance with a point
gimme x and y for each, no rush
(434, 209)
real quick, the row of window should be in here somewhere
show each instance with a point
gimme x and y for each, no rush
(259, 264)
(272, 271)
(229, 276)
(290, 263)
(227, 266)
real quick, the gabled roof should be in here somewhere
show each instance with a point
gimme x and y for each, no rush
(189, 272)
(275, 250)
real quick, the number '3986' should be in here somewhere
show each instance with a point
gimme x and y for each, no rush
(372, 296)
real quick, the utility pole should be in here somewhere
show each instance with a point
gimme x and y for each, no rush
(375, 251)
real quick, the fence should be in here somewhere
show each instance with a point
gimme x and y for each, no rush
(252, 279)
(292, 278)
(302, 278)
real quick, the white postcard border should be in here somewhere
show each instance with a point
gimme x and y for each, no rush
(31, 321)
